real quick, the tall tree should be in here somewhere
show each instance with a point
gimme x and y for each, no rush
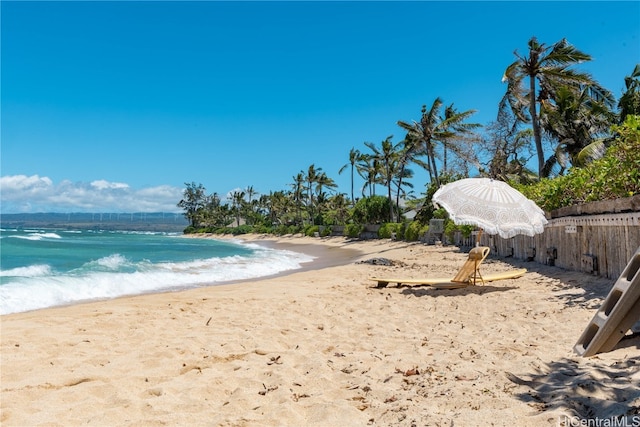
(630, 100)
(321, 196)
(213, 212)
(575, 120)
(311, 179)
(338, 209)
(278, 207)
(193, 201)
(535, 78)
(387, 156)
(368, 168)
(297, 194)
(250, 204)
(509, 150)
(402, 180)
(322, 182)
(410, 149)
(434, 129)
(458, 137)
(425, 130)
(354, 156)
(237, 197)
(250, 192)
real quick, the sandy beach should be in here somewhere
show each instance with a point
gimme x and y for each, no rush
(324, 346)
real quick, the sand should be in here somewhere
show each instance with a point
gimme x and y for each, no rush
(325, 347)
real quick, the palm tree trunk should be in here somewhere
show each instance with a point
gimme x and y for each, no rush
(352, 199)
(537, 135)
(444, 158)
(390, 200)
(398, 193)
(432, 159)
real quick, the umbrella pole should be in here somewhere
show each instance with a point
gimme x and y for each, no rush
(478, 238)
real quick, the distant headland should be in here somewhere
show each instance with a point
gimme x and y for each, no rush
(139, 221)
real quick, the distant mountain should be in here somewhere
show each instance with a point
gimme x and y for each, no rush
(154, 221)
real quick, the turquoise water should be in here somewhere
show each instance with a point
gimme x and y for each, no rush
(44, 268)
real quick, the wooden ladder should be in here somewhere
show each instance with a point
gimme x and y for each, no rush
(618, 313)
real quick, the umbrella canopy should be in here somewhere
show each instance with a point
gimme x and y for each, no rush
(492, 205)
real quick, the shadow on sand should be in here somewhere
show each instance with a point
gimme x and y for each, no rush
(428, 291)
(585, 388)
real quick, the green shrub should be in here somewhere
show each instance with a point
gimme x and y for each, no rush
(413, 231)
(190, 230)
(371, 210)
(466, 230)
(387, 229)
(242, 229)
(311, 230)
(450, 229)
(401, 231)
(262, 229)
(616, 175)
(423, 230)
(280, 230)
(295, 229)
(353, 230)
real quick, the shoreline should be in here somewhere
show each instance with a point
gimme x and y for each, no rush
(327, 252)
(325, 255)
(324, 347)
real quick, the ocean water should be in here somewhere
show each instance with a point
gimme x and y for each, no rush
(46, 268)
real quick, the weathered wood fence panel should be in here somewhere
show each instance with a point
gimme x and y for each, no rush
(598, 244)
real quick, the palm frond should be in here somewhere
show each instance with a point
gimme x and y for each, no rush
(591, 152)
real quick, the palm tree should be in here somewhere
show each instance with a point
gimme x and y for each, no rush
(263, 207)
(338, 208)
(250, 193)
(250, 203)
(237, 198)
(575, 120)
(368, 168)
(322, 182)
(212, 211)
(433, 129)
(387, 157)
(424, 131)
(311, 179)
(279, 207)
(458, 136)
(400, 182)
(547, 69)
(297, 194)
(630, 100)
(354, 156)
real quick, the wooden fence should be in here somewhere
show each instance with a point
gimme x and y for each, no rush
(600, 243)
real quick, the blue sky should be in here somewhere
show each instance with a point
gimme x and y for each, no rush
(113, 106)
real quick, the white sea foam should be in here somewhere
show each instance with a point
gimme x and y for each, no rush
(112, 262)
(31, 292)
(38, 270)
(50, 236)
(38, 236)
(147, 233)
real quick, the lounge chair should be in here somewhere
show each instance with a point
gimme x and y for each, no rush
(468, 274)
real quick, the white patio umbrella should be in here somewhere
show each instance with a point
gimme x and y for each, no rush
(494, 206)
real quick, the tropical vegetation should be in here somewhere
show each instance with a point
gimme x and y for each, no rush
(584, 143)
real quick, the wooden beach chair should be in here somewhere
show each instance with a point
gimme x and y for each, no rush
(468, 274)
